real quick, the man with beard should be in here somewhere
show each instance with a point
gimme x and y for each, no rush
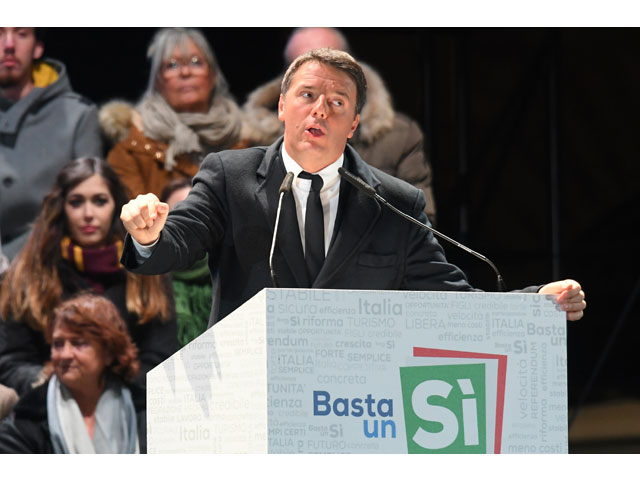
(43, 126)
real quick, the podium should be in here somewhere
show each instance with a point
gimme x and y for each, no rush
(358, 371)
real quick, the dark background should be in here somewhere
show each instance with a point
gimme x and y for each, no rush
(532, 135)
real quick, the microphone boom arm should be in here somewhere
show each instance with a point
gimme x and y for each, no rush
(368, 190)
(501, 285)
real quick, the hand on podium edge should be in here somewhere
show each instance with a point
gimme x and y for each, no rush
(144, 218)
(570, 297)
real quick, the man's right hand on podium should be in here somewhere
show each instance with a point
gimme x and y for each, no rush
(144, 217)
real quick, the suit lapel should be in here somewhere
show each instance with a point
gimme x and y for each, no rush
(356, 217)
(288, 249)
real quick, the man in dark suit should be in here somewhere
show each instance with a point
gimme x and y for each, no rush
(231, 209)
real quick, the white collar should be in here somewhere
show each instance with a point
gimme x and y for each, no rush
(329, 173)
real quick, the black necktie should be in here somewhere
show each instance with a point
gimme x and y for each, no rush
(313, 227)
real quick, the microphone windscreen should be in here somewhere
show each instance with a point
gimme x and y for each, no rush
(357, 182)
(286, 183)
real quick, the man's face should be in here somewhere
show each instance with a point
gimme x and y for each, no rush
(18, 49)
(318, 112)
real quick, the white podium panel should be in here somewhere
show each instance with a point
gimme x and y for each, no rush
(337, 371)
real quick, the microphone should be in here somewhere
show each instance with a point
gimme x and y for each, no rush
(369, 191)
(285, 188)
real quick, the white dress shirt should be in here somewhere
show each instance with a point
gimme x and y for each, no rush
(329, 195)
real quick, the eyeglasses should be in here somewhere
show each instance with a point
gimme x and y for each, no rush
(195, 64)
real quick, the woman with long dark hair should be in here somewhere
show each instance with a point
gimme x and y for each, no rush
(75, 246)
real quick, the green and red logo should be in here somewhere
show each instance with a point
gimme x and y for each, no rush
(453, 401)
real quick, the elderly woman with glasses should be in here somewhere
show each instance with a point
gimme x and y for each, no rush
(185, 113)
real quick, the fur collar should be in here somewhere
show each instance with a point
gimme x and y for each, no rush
(262, 127)
(116, 118)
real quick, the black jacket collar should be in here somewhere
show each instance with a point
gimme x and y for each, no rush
(355, 209)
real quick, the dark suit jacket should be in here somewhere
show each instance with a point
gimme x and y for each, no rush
(231, 211)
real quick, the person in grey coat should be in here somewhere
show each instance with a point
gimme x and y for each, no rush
(43, 126)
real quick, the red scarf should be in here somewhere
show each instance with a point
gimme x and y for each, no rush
(93, 263)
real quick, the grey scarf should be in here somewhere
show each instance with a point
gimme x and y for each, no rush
(115, 428)
(198, 133)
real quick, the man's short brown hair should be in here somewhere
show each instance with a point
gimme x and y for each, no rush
(334, 58)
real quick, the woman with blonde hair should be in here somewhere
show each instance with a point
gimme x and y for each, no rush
(75, 246)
